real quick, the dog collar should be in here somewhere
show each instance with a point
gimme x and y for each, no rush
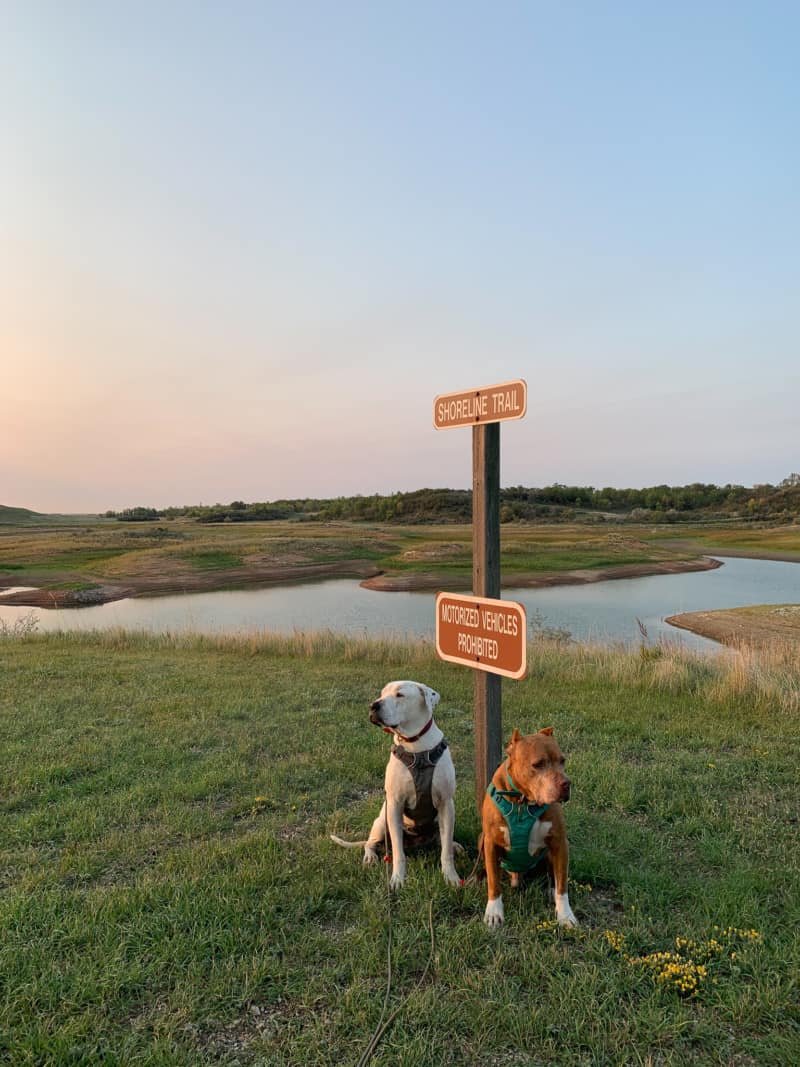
(512, 790)
(517, 796)
(416, 737)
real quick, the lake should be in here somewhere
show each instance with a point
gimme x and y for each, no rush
(603, 611)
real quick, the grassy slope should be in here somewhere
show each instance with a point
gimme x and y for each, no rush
(25, 517)
(18, 516)
(169, 895)
(751, 539)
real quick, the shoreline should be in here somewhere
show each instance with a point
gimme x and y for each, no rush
(370, 578)
(386, 583)
(737, 553)
(216, 582)
(756, 626)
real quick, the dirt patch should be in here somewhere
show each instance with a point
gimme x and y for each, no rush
(163, 585)
(273, 559)
(416, 583)
(256, 1025)
(435, 551)
(393, 583)
(758, 627)
(280, 552)
(69, 598)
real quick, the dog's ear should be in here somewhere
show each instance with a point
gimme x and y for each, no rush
(432, 698)
(547, 731)
(513, 741)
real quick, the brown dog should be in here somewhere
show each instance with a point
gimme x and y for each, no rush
(523, 821)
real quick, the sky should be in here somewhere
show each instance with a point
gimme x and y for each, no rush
(243, 246)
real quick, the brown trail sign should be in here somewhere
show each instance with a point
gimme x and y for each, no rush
(489, 635)
(491, 403)
(484, 409)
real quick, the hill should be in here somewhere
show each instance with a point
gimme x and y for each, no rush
(553, 503)
(25, 517)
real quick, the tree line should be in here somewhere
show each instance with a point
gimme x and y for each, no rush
(556, 503)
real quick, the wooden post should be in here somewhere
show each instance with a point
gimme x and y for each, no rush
(486, 583)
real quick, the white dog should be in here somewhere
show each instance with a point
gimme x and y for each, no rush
(420, 780)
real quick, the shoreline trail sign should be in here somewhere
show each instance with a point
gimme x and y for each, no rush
(474, 407)
(484, 409)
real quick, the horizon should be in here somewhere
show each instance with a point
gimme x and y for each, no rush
(790, 479)
(246, 249)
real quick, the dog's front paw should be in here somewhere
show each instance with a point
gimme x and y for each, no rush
(564, 914)
(396, 882)
(494, 914)
(370, 857)
(451, 876)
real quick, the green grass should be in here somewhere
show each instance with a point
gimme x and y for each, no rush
(751, 538)
(212, 560)
(169, 895)
(75, 559)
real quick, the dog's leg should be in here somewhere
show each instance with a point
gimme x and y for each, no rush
(447, 821)
(494, 914)
(376, 836)
(394, 820)
(559, 862)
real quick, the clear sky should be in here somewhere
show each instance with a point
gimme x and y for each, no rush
(244, 245)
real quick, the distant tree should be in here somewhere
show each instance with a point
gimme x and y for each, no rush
(138, 514)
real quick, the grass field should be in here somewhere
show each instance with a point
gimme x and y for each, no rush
(748, 539)
(169, 894)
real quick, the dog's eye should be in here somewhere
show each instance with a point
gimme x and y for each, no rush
(539, 764)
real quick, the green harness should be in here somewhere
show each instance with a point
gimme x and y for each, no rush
(520, 818)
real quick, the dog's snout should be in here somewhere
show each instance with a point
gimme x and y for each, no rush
(374, 712)
(566, 785)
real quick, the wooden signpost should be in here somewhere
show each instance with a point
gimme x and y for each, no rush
(484, 409)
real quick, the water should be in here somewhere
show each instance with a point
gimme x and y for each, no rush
(603, 611)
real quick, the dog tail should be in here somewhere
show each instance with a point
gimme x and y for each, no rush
(347, 844)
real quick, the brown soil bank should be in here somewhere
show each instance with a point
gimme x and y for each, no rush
(163, 585)
(393, 583)
(758, 626)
